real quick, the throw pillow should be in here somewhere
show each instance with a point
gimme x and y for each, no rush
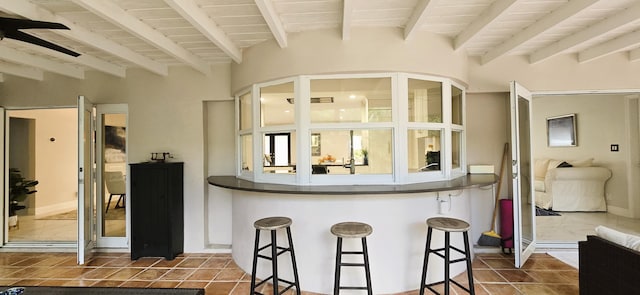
(564, 165)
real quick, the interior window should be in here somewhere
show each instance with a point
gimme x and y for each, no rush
(425, 101)
(277, 105)
(424, 150)
(351, 100)
(364, 151)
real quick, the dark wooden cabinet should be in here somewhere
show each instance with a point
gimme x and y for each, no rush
(157, 218)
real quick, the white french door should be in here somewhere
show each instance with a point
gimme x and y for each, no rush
(4, 205)
(86, 192)
(524, 229)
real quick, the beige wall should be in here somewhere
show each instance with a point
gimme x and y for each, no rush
(368, 50)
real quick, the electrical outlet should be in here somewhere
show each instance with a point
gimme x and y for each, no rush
(615, 148)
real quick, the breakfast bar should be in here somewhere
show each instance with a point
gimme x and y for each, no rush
(396, 212)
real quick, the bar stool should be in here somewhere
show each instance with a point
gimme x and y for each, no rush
(447, 225)
(351, 230)
(272, 224)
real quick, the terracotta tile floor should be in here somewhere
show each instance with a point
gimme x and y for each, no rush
(218, 274)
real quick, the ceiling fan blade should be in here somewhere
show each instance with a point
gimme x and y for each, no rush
(16, 23)
(21, 36)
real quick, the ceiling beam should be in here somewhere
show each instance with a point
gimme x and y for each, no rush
(21, 71)
(416, 20)
(620, 19)
(190, 11)
(19, 57)
(550, 20)
(480, 24)
(85, 60)
(622, 43)
(634, 55)
(347, 17)
(116, 15)
(273, 21)
(83, 35)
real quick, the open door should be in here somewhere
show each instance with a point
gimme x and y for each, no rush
(4, 205)
(522, 171)
(86, 143)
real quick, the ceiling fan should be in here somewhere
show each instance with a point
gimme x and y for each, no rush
(10, 28)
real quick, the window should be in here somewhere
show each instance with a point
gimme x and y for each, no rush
(456, 149)
(456, 105)
(351, 100)
(245, 111)
(342, 129)
(363, 151)
(423, 150)
(246, 152)
(277, 105)
(425, 101)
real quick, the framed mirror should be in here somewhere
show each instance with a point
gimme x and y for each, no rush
(561, 131)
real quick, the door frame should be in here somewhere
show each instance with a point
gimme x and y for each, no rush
(574, 245)
(4, 173)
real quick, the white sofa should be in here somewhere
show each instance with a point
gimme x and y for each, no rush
(577, 188)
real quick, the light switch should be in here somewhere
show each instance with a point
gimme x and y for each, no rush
(614, 148)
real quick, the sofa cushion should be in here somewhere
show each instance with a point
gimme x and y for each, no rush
(540, 167)
(582, 163)
(618, 237)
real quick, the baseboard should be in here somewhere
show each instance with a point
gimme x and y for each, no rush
(56, 208)
(619, 211)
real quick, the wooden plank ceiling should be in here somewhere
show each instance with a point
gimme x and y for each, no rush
(113, 35)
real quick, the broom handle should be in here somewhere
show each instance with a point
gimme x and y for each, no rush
(495, 208)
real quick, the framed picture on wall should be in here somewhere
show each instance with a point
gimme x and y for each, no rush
(561, 131)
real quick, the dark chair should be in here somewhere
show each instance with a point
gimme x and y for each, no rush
(319, 169)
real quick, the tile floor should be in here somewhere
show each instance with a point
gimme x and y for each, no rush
(218, 274)
(575, 226)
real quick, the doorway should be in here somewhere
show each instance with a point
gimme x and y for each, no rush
(42, 148)
(604, 119)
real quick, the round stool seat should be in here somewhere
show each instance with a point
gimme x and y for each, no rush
(351, 229)
(272, 223)
(448, 224)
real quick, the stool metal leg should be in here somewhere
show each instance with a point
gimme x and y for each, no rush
(447, 259)
(468, 258)
(336, 280)
(274, 262)
(366, 266)
(427, 251)
(293, 262)
(255, 262)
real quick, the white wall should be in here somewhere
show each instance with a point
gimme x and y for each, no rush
(221, 160)
(600, 123)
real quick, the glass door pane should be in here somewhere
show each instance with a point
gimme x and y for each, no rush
(114, 160)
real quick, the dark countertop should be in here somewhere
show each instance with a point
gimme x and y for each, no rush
(463, 182)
